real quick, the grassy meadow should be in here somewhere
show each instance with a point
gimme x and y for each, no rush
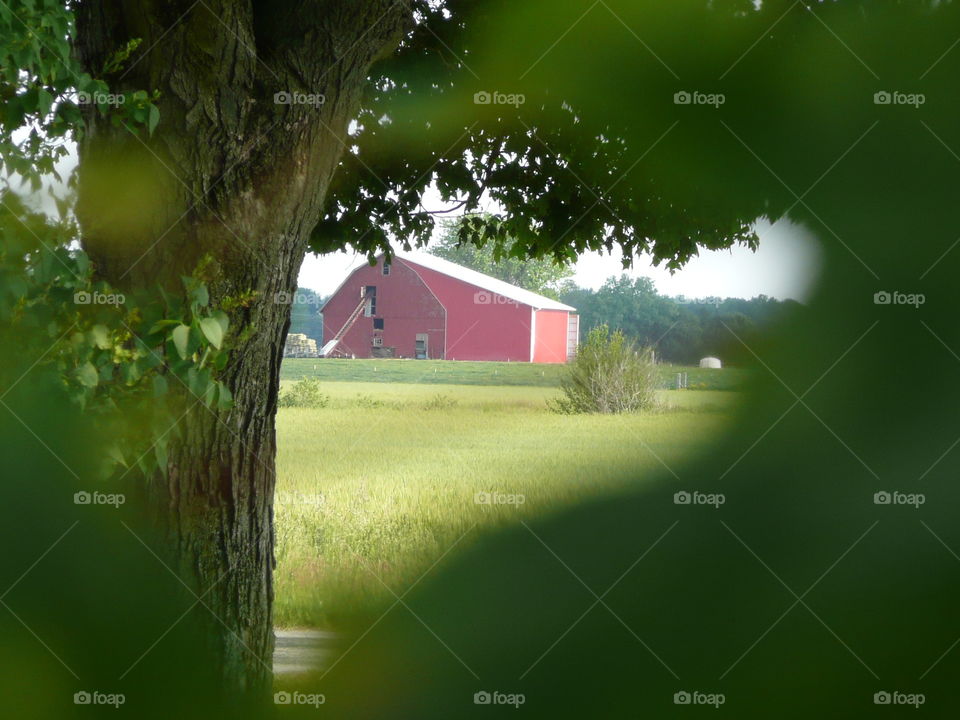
(447, 372)
(374, 488)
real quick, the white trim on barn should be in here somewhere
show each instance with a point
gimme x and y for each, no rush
(524, 297)
(533, 331)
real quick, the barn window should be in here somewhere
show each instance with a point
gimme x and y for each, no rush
(370, 293)
(378, 323)
(386, 268)
(378, 342)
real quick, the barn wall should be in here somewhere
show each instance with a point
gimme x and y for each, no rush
(405, 304)
(550, 343)
(480, 324)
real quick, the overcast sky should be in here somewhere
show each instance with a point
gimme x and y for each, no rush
(785, 266)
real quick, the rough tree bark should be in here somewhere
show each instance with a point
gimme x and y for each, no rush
(231, 174)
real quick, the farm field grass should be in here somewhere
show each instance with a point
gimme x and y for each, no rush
(383, 481)
(482, 373)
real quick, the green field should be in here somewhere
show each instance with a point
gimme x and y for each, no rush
(379, 484)
(482, 373)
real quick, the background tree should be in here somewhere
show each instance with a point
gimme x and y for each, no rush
(541, 275)
(681, 330)
(305, 314)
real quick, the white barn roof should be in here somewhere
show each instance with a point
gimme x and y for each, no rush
(492, 284)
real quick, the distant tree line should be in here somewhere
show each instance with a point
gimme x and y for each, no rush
(681, 330)
(305, 314)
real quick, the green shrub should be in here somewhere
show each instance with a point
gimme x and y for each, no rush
(609, 375)
(369, 402)
(440, 401)
(305, 393)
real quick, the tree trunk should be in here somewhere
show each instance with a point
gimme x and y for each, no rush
(235, 177)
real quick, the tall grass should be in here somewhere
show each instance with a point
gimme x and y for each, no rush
(375, 488)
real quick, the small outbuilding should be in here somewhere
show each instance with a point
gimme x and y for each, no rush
(711, 362)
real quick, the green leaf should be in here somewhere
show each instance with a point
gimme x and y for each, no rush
(181, 339)
(87, 375)
(221, 317)
(224, 397)
(160, 386)
(101, 336)
(200, 295)
(116, 454)
(132, 373)
(160, 450)
(153, 118)
(213, 330)
(44, 101)
(161, 325)
(210, 395)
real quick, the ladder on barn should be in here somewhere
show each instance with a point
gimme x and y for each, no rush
(329, 347)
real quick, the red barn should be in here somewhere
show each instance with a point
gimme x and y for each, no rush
(421, 306)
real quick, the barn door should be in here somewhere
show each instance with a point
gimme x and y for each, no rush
(421, 346)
